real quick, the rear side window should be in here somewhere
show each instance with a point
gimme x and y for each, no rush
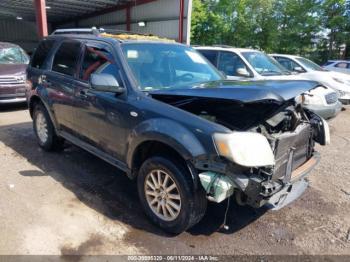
(210, 55)
(342, 65)
(66, 58)
(328, 63)
(41, 53)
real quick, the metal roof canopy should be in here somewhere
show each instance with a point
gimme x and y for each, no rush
(60, 11)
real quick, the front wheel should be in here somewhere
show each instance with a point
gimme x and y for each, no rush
(167, 196)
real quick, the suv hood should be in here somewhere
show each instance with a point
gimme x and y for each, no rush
(244, 91)
(235, 105)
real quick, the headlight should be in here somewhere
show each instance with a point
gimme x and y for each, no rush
(342, 93)
(245, 148)
(313, 100)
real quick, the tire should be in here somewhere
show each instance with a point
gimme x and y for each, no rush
(45, 131)
(191, 205)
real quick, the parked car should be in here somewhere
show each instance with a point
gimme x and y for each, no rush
(13, 64)
(342, 66)
(163, 114)
(249, 64)
(312, 71)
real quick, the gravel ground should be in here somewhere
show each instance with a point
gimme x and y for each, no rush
(74, 203)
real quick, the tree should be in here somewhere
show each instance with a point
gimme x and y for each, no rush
(318, 29)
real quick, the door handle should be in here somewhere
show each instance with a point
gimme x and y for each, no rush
(83, 94)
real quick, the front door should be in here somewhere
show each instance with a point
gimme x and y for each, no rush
(231, 64)
(101, 115)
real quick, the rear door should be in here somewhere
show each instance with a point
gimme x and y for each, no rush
(38, 64)
(60, 81)
(211, 55)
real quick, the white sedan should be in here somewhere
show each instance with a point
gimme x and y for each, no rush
(341, 66)
(312, 71)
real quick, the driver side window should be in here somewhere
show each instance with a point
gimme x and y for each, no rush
(98, 61)
(287, 63)
(229, 63)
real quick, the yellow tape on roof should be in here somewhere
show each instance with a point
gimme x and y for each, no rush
(136, 37)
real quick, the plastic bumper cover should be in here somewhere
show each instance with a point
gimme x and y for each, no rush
(326, 112)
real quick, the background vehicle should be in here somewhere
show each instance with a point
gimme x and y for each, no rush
(13, 64)
(248, 64)
(160, 112)
(310, 70)
(342, 66)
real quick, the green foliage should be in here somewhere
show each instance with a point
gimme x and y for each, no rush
(318, 29)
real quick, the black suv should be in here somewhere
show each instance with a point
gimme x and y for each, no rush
(162, 113)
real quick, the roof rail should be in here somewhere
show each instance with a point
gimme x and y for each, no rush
(225, 46)
(93, 31)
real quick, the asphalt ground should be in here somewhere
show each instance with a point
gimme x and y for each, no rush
(74, 203)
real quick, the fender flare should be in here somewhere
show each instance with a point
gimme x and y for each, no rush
(168, 132)
(46, 105)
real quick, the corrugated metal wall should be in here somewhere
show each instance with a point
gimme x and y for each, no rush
(19, 32)
(161, 17)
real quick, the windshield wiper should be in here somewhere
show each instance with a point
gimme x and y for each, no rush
(271, 72)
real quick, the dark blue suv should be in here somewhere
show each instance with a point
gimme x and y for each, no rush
(162, 113)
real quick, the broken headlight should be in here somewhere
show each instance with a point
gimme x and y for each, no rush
(245, 148)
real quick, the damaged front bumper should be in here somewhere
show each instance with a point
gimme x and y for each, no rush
(254, 190)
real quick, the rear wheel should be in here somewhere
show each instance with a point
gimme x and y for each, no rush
(44, 130)
(167, 196)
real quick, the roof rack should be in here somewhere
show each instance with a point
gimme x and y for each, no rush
(93, 31)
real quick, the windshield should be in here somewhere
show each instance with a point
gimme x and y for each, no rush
(309, 64)
(263, 64)
(13, 55)
(167, 66)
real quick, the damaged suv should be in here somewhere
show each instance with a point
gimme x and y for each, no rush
(162, 113)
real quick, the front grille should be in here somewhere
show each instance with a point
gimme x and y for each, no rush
(300, 142)
(342, 93)
(332, 98)
(11, 80)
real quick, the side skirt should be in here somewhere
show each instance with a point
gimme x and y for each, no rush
(95, 151)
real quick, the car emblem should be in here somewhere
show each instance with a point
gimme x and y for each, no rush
(134, 114)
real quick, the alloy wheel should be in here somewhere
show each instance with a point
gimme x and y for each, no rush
(162, 195)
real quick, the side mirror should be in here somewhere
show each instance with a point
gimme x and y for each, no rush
(243, 72)
(105, 83)
(298, 69)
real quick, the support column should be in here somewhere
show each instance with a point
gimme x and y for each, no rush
(181, 20)
(128, 18)
(41, 19)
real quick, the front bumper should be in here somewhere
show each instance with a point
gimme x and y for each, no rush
(327, 111)
(345, 101)
(256, 191)
(12, 93)
(296, 187)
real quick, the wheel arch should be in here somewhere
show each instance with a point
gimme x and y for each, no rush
(34, 100)
(163, 136)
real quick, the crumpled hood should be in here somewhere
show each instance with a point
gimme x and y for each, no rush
(244, 91)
